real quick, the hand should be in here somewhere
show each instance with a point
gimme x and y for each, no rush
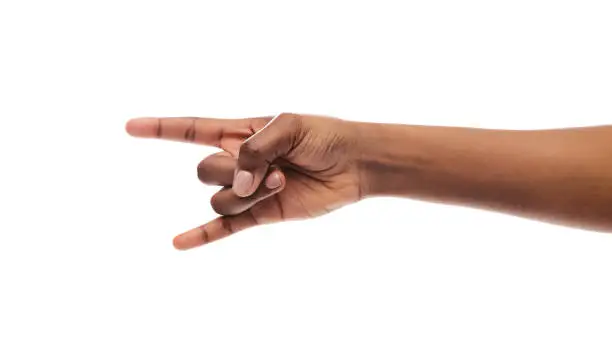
(271, 169)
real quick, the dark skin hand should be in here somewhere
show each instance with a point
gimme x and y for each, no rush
(311, 170)
(299, 166)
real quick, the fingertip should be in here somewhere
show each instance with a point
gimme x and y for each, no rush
(142, 127)
(275, 180)
(188, 240)
(178, 243)
(243, 183)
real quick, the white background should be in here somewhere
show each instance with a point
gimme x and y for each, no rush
(87, 213)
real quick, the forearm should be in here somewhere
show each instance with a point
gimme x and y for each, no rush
(562, 176)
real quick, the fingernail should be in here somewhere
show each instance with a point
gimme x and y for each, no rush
(243, 183)
(273, 181)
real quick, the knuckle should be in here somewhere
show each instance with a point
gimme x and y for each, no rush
(289, 117)
(218, 205)
(224, 204)
(204, 170)
(227, 226)
(286, 115)
(250, 148)
(292, 123)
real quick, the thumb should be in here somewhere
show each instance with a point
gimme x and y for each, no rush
(256, 154)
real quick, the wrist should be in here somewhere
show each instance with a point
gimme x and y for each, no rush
(388, 159)
(425, 162)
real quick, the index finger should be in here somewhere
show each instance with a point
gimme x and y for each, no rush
(206, 131)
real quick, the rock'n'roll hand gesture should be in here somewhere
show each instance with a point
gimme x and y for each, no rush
(299, 166)
(270, 169)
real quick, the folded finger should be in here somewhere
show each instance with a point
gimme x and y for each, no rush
(226, 202)
(217, 169)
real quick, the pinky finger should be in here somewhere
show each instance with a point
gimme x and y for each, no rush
(216, 229)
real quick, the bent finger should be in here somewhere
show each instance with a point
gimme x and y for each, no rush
(217, 169)
(226, 202)
(273, 141)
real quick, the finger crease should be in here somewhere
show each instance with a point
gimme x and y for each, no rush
(190, 132)
(253, 131)
(227, 225)
(220, 135)
(205, 238)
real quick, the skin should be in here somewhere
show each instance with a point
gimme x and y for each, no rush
(300, 166)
